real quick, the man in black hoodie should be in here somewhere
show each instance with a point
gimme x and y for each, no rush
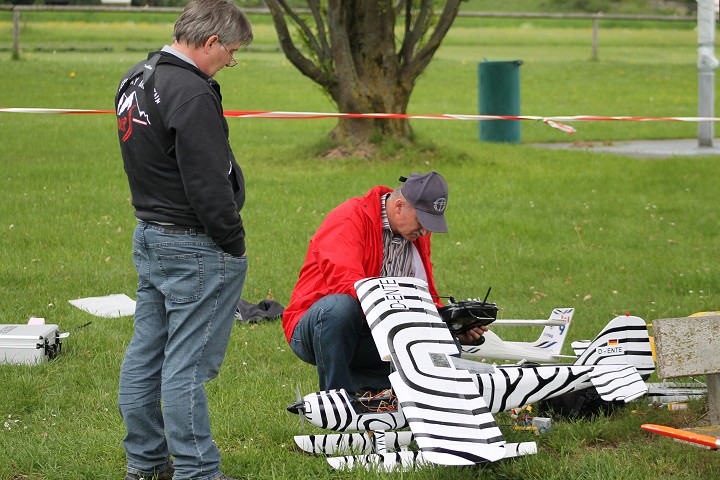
(189, 244)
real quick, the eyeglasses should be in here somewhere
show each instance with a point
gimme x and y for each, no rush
(232, 61)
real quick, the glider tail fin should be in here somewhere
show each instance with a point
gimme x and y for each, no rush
(553, 337)
(623, 341)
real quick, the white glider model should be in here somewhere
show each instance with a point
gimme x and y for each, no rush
(546, 348)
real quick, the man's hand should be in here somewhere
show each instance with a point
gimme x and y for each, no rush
(472, 336)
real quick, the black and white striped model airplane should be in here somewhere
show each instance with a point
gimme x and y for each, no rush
(448, 402)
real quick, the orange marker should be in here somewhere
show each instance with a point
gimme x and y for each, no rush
(706, 440)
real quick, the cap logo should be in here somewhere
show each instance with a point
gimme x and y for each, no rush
(439, 204)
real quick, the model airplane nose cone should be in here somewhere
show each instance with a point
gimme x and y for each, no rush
(297, 407)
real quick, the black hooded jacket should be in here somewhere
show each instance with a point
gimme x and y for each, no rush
(176, 152)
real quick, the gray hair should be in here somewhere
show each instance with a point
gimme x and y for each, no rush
(203, 18)
(397, 193)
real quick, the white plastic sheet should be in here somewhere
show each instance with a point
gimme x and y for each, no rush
(109, 306)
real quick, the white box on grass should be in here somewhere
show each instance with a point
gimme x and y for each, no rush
(29, 344)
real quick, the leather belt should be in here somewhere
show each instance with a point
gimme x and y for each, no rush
(176, 229)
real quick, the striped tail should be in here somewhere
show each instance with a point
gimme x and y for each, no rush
(623, 341)
(622, 357)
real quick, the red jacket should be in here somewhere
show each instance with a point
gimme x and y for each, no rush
(347, 247)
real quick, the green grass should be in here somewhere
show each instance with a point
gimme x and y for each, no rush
(602, 233)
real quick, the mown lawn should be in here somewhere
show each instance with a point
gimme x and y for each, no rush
(602, 233)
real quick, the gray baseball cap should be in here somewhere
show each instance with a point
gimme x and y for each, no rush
(428, 193)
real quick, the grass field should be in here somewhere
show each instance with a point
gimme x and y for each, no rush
(602, 233)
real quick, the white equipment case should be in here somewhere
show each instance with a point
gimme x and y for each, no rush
(29, 344)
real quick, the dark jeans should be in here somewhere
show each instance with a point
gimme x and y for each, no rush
(334, 336)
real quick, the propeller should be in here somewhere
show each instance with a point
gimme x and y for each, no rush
(298, 407)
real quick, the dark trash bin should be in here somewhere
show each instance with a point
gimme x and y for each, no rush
(499, 94)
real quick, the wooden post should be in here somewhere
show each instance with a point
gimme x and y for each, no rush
(690, 346)
(595, 34)
(16, 34)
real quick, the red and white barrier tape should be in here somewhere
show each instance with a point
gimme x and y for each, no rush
(551, 121)
(52, 110)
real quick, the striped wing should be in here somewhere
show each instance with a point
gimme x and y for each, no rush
(448, 417)
(388, 462)
(356, 443)
(618, 382)
(407, 460)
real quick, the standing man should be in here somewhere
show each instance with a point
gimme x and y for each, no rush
(189, 243)
(383, 233)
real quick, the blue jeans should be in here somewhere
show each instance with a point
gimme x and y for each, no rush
(334, 336)
(188, 289)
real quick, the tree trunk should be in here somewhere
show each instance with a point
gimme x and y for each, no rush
(367, 67)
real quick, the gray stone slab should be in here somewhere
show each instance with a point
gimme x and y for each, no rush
(687, 346)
